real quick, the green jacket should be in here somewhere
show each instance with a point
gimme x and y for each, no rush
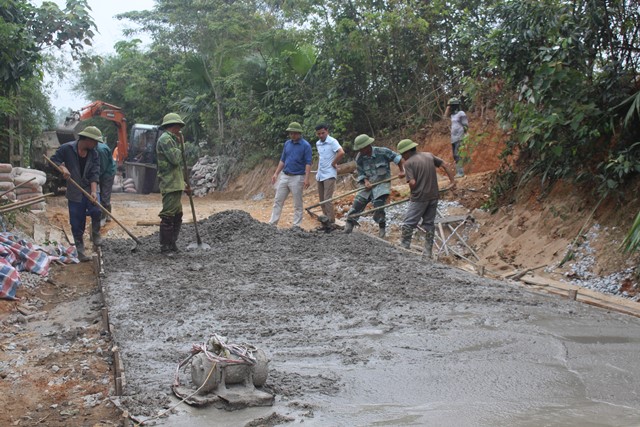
(170, 174)
(107, 164)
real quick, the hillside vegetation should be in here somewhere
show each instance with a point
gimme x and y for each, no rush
(562, 76)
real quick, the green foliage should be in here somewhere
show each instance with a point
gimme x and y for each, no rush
(468, 145)
(502, 189)
(241, 68)
(631, 243)
(561, 77)
(26, 32)
(618, 167)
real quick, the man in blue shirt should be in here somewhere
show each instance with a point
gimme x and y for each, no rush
(295, 165)
(79, 161)
(329, 154)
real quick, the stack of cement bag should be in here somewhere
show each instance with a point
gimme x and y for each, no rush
(118, 185)
(129, 186)
(30, 189)
(6, 182)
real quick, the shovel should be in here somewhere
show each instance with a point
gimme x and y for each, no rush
(324, 220)
(102, 208)
(198, 244)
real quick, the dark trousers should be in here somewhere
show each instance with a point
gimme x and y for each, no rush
(360, 202)
(78, 213)
(106, 185)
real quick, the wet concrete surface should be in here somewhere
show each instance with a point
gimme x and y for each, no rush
(362, 333)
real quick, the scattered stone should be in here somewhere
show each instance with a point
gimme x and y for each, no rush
(210, 174)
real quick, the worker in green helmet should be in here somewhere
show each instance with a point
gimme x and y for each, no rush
(373, 166)
(171, 181)
(79, 161)
(420, 170)
(459, 127)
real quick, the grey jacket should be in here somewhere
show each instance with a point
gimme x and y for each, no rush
(68, 154)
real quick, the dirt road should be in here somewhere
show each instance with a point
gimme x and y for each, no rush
(361, 333)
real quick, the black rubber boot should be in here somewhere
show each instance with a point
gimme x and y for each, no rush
(177, 225)
(166, 234)
(106, 218)
(82, 255)
(407, 235)
(348, 227)
(428, 244)
(382, 232)
(96, 238)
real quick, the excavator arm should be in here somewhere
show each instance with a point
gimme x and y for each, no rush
(114, 114)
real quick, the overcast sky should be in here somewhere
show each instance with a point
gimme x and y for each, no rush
(109, 32)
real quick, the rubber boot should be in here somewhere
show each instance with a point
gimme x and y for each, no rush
(177, 225)
(459, 171)
(428, 244)
(348, 228)
(166, 235)
(382, 232)
(407, 235)
(96, 238)
(82, 255)
(105, 218)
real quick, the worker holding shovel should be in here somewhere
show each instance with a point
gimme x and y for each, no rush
(421, 176)
(373, 166)
(78, 161)
(171, 181)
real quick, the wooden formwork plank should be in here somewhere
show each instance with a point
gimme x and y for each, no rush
(584, 295)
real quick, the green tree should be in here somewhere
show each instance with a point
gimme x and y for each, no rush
(26, 32)
(561, 75)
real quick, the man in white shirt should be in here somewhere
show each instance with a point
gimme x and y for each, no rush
(330, 153)
(459, 127)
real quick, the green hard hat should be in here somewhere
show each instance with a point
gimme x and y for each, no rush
(294, 127)
(454, 101)
(91, 132)
(362, 141)
(406, 145)
(171, 119)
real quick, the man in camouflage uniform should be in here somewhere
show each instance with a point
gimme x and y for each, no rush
(171, 181)
(373, 166)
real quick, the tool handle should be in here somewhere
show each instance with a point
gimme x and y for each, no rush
(102, 208)
(185, 172)
(350, 192)
(24, 203)
(378, 208)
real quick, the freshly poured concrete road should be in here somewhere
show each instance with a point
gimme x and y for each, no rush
(360, 333)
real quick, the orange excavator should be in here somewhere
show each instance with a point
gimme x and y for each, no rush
(109, 112)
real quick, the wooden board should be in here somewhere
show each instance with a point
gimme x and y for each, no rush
(584, 295)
